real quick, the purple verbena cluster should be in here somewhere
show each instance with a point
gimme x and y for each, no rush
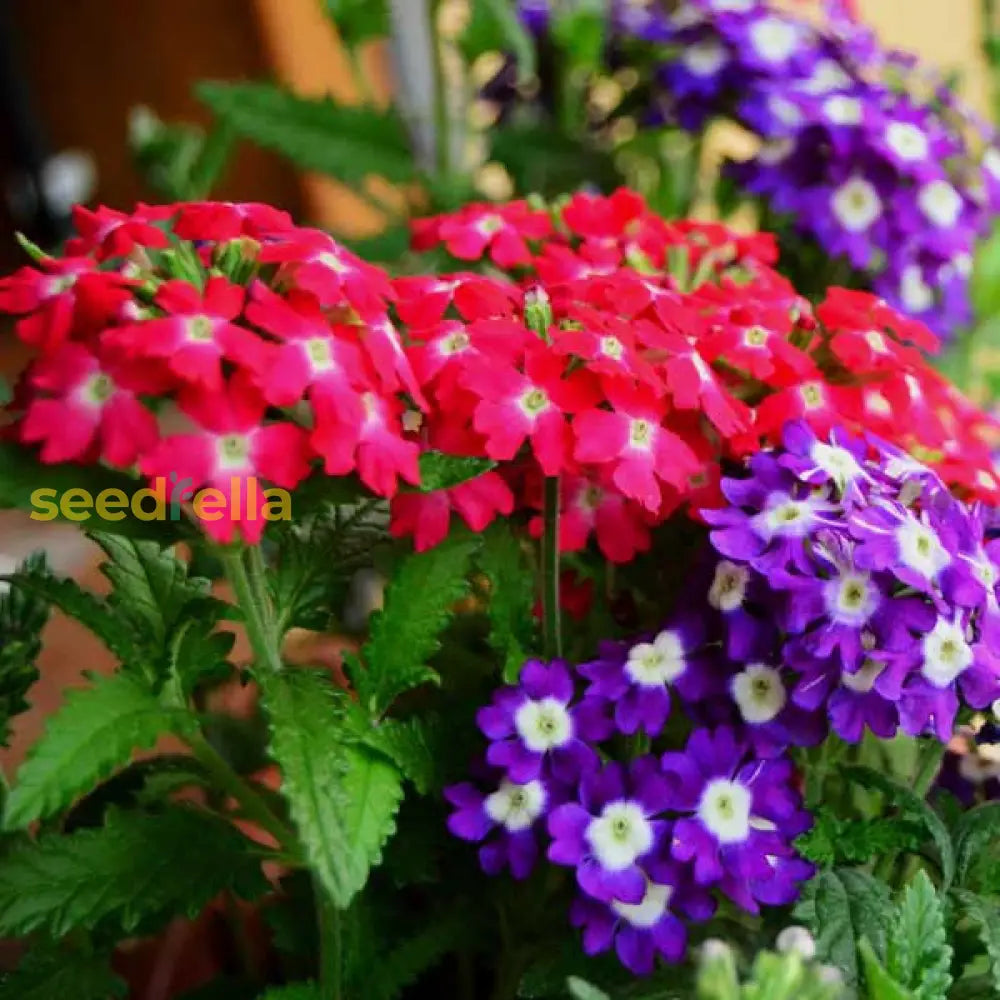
(847, 588)
(863, 149)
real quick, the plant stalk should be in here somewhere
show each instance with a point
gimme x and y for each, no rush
(330, 945)
(250, 589)
(551, 624)
(442, 111)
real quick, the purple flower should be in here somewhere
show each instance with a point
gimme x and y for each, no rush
(612, 830)
(741, 811)
(636, 680)
(536, 730)
(509, 816)
(641, 931)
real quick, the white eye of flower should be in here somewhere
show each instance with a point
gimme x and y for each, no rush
(826, 76)
(516, 807)
(863, 679)
(533, 402)
(232, 451)
(850, 598)
(704, 58)
(649, 912)
(656, 663)
(991, 162)
(940, 203)
(543, 725)
(916, 294)
(620, 835)
(946, 653)
(838, 463)
(774, 39)
(842, 110)
(318, 354)
(759, 693)
(97, 390)
(641, 434)
(612, 347)
(907, 141)
(729, 586)
(790, 518)
(920, 549)
(856, 204)
(724, 809)
(454, 343)
(784, 111)
(733, 6)
(333, 262)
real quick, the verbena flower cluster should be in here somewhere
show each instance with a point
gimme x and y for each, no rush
(848, 589)
(863, 149)
(592, 341)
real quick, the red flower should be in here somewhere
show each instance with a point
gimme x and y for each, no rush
(108, 233)
(219, 221)
(500, 229)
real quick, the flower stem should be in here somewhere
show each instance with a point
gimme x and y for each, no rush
(551, 625)
(928, 765)
(328, 922)
(442, 112)
(250, 589)
(226, 779)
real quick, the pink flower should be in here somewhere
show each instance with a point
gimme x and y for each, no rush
(220, 221)
(230, 447)
(373, 444)
(515, 406)
(310, 358)
(591, 508)
(89, 409)
(423, 300)
(427, 516)
(110, 233)
(632, 442)
(195, 334)
(501, 229)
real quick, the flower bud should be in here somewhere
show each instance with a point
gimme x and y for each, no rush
(538, 311)
(797, 940)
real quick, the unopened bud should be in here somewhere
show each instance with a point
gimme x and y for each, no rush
(538, 311)
(831, 975)
(797, 940)
(715, 950)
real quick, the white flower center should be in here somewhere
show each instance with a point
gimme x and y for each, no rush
(514, 806)
(946, 653)
(729, 586)
(857, 204)
(991, 162)
(319, 354)
(612, 347)
(533, 402)
(842, 110)
(654, 664)
(724, 810)
(920, 549)
(543, 725)
(97, 390)
(774, 39)
(784, 111)
(850, 598)
(454, 343)
(907, 141)
(704, 58)
(199, 329)
(620, 835)
(650, 911)
(232, 451)
(790, 518)
(759, 693)
(916, 294)
(641, 434)
(838, 463)
(863, 679)
(940, 203)
(333, 262)
(827, 75)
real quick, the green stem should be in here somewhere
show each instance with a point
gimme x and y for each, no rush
(442, 113)
(330, 950)
(250, 589)
(551, 625)
(928, 765)
(252, 805)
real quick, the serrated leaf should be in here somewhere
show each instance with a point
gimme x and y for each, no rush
(840, 907)
(834, 841)
(985, 916)
(912, 806)
(919, 955)
(199, 654)
(513, 631)
(342, 797)
(349, 143)
(139, 868)
(50, 974)
(404, 742)
(879, 985)
(439, 471)
(95, 731)
(358, 21)
(404, 635)
(972, 834)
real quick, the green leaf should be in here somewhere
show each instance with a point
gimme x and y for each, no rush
(833, 841)
(494, 25)
(24, 478)
(580, 989)
(51, 974)
(213, 157)
(343, 797)
(358, 20)
(404, 635)
(919, 955)
(984, 914)
(513, 629)
(294, 991)
(879, 984)
(439, 471)
(23, 615)
(199, 654)
(139, 868)
(579, 32)
(95, 731)
(349, 143)
(405, 743)
(913, 807)
(978, 828)
(839, 907)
